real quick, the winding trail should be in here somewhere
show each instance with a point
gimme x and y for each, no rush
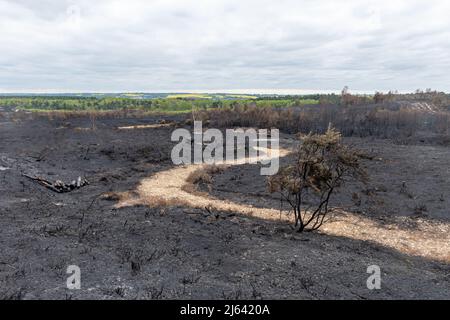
(167, 188)
(427, 238)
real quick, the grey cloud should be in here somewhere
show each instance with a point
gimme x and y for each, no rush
(112, 45)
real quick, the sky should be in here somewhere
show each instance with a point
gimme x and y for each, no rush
(224, 45)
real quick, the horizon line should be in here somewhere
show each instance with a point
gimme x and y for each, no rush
(215, 91)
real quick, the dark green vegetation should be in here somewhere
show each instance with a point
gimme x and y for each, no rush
(164, 102)
(156, 105)
(170, 103)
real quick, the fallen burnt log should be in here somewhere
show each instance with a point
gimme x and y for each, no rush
(58, 185)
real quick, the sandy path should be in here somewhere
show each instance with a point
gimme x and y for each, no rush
(426, 239)
(167, 187)
(146, 126)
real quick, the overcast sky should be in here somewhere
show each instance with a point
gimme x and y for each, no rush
(184, 45)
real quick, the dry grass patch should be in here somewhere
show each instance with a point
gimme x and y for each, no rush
(202, 177)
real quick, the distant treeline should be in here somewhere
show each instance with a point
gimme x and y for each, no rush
(39, 103)
(188, 102)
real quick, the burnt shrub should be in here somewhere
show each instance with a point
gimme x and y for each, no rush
(322, 164)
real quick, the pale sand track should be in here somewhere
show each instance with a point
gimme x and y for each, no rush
(168, 187)
(145, 126)
(427, 239)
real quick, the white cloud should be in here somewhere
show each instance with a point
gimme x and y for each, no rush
(137, 45)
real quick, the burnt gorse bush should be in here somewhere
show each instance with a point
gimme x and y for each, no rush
(322, 164)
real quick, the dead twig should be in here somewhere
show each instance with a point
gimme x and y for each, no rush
(59, 186)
